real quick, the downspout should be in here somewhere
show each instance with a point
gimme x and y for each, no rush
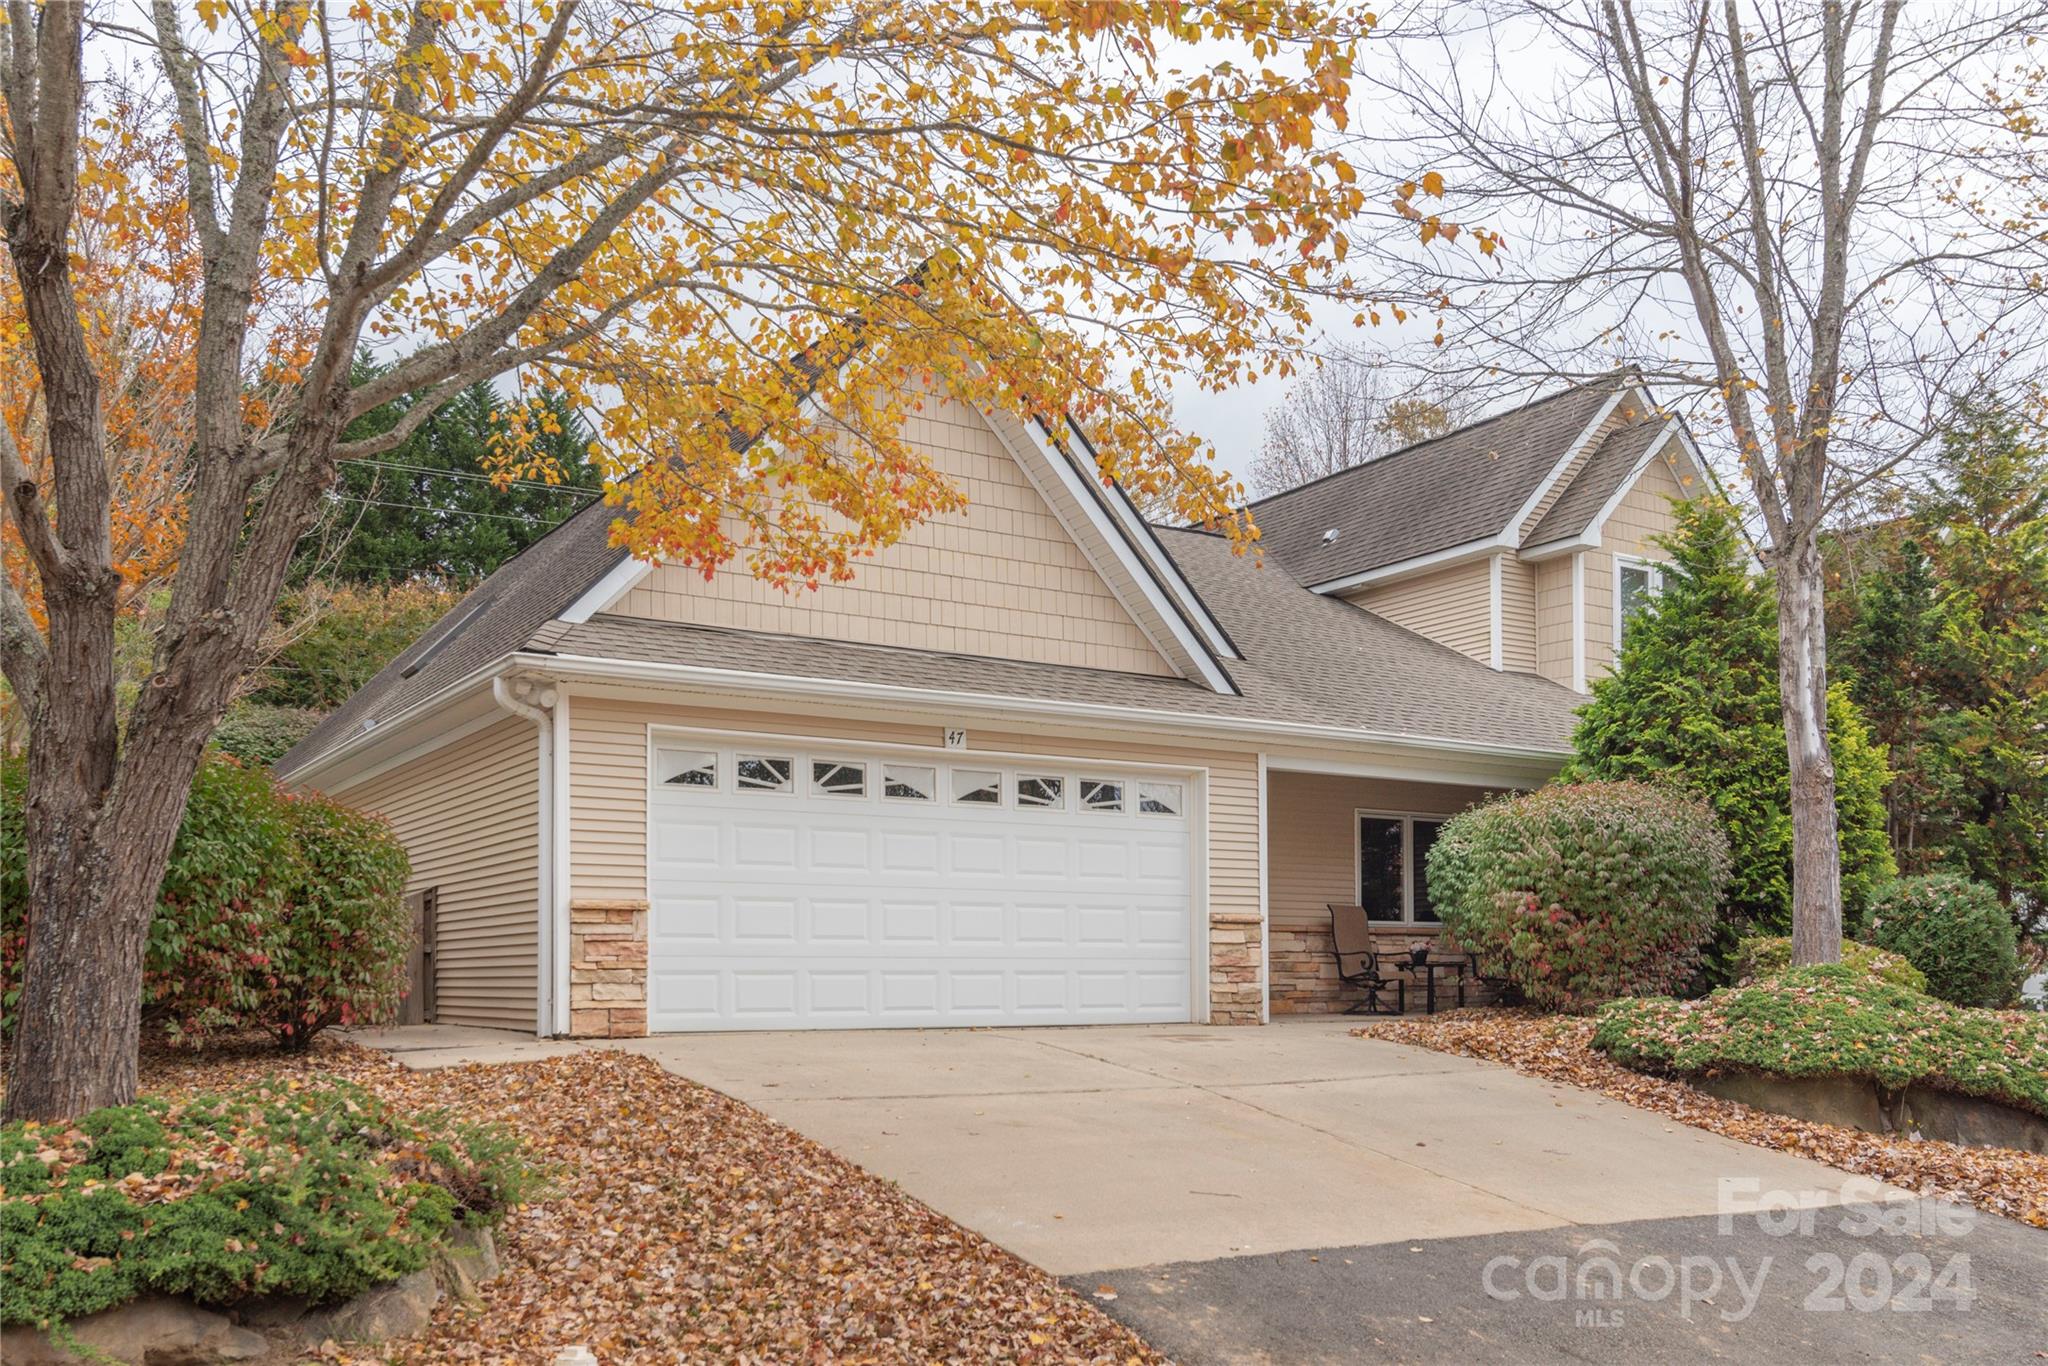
(537, 702)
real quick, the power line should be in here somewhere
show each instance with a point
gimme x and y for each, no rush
(521, 518)
(540, 484)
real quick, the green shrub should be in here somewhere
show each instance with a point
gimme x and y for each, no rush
(1694, 701)
(260, 733)
(277, 913)
(322, 1191)
(1579, 893)
(336, 952)
(1830, 1020)
(231, 870)
(1955, 931)
(1761, 958)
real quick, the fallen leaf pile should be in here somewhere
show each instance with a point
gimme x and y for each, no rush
(1559, 1048)
(684, 1225)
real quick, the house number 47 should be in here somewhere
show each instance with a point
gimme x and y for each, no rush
(955, 739)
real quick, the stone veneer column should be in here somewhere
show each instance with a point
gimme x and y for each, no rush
(1235, 948)
(608, 969)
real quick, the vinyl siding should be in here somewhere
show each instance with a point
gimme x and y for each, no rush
(1002, 579)
(608, 740)
(468, 814)
(1314, 842)
(1643, 514)
(1517, 615)
(1452, 606)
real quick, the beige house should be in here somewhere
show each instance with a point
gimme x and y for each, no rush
(1040, 762)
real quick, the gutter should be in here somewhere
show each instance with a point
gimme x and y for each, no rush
(599, 667)
(549, 711)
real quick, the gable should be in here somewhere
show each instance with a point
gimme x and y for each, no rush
(1003, 579)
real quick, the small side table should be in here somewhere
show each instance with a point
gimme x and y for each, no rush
(1429, 968)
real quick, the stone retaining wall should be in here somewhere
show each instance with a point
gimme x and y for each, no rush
(1304, 972)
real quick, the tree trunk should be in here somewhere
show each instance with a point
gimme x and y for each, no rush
(96, 855)
(1803, 684)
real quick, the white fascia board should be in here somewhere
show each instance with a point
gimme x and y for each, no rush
(1421, 564)
(624, 576)
(1589, 539)
(396, 723)
(599, 668)
(1047, 457)
(1125, 512)
(1571, 454)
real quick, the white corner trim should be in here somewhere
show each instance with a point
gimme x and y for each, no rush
(1265, 912)
(1421, 564)
(623, 577)
(544, 709)
(1579, 622)
(1497, 646)
(556, 923)
(1513, 532)
(1164, 565)
(1047, 457)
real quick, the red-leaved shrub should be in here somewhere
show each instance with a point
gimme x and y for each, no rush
(1579, 893)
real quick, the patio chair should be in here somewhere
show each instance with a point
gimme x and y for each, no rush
(1358, 965)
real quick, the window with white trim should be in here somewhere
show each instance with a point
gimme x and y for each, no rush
(1393, 873)
(1636, 582)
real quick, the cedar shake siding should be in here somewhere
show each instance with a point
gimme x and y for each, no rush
(1001, 579)
(468, 814)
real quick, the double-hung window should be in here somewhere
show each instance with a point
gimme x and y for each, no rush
(1393, 877)
(1635, 583)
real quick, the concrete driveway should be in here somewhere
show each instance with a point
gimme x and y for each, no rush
(1082, 1149)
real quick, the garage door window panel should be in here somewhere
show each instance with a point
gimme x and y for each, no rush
(688, 768)
(1041, 792)
(1159, 799)
(1103, 795)
(839, 778)
(977, 787)
(759, 773)
(910, 782)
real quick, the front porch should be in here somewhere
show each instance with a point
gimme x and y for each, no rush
(1348, 839)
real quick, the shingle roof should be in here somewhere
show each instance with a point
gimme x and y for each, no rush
(1595, 482)
(1448, 491)
(1308, 660)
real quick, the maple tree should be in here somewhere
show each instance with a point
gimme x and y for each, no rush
(745, 238)
(137, 264)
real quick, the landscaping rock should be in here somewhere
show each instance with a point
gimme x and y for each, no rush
(392, 1311)
(170, 1332)
(1852, 1102)
(151, 1332)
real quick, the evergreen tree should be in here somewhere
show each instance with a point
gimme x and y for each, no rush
(1947, 655)
(427, 510)
(1694, 700)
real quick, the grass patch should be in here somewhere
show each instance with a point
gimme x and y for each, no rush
(1833, 1020)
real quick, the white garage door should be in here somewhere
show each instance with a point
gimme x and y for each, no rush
(822, 888)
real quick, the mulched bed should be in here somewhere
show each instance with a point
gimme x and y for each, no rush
(1558, 1048)
(686, 1226)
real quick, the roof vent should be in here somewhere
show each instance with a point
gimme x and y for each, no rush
(1330, 536)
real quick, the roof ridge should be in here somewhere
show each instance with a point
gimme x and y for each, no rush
(1413, 446)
